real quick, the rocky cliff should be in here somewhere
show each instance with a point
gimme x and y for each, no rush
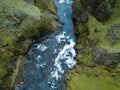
(22, 22)
(97, 29)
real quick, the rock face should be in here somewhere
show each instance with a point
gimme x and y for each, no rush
(100, 9)
(22, 22)
(97, 29)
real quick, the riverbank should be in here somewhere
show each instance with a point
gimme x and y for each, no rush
(22, 23)
(98, 45)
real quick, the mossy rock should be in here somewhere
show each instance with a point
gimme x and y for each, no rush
(21, 24)
(98, 47)
(84, 82)
(100, 9)
(101, 35)
(46, 6)
(49, 13)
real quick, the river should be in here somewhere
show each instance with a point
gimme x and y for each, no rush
(49, 60)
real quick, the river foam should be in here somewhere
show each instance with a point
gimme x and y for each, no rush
(49, 61)
(65, 57)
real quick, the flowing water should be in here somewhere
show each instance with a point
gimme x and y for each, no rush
(49, 61)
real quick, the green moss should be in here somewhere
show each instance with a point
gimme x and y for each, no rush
(21, 24)
(96, 34)
(96, 29)
(85, 57)
(98, 41)
(99, 32)
(112, 48)
(5, 38)
(49, 22)
(77, 6)
(11, 7)
(46, 6)
(116, 14)
(83, 82)
(4, 67)
(16, 70)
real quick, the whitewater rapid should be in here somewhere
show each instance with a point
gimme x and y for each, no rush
(49, 61)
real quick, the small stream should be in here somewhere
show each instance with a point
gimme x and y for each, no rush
(49, 61)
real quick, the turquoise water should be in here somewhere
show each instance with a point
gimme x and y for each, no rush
(48, 61)
(65, 15)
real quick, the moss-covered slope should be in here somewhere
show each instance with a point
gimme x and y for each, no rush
(97, 26)
(22, 22)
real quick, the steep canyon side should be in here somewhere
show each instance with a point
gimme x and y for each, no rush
(22, 22)
(97, 30)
